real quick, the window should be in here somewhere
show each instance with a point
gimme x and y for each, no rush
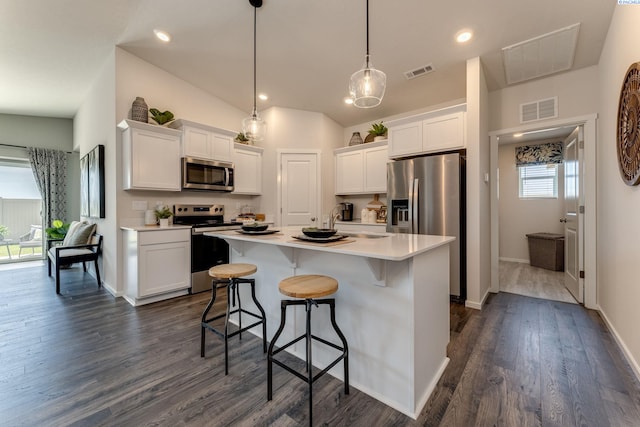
(538, 181)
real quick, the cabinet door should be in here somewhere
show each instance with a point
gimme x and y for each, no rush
(248, 172)
(155, 161)
(405, 139)
(196, 143)
(349, 173)
(221, 147)
(443, 133)
(375, 170)
(163, 267)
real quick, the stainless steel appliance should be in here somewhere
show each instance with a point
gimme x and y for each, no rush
(346, 211)
(207, 175)
(206, 251)
(426, 195)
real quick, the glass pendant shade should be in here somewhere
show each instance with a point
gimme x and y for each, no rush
(254, 127)
(367, 86)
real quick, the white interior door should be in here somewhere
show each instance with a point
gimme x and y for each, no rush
(299, 189)
(572, 221)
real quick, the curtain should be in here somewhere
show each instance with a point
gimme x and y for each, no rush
(541, 154)
(50, 171)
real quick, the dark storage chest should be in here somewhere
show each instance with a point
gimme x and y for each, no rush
(546, 250)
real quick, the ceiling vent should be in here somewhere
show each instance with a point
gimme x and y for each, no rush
(543, 55)
(539, 110)
(425, 69)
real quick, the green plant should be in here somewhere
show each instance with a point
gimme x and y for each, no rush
(163, 212)
(3, 230)
(241, 138)
(57, 230)
(161, 118)
(378, 129)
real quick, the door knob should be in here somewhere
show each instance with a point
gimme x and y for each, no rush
(313, 218)
(563, 220)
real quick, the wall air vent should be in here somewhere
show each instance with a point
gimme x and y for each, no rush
(426, 69)
(539, 110)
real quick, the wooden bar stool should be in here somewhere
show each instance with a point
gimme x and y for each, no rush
(230, 276)
(308, 288)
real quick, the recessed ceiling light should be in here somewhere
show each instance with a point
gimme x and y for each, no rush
(348, 100)
(162, 35)
(517, 135)
(263, 96)
(464, 36)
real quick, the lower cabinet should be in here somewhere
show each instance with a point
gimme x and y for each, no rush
(157, 264)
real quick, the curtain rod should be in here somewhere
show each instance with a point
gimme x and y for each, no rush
(23, 146)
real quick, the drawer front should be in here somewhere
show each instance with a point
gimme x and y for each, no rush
(163, 236)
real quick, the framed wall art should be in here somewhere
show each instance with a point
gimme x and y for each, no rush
(92, 195)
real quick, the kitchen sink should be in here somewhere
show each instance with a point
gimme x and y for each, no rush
(362, 235)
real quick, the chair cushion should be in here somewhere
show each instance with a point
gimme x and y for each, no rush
(80, 234)
(71, 231)
(70, 252)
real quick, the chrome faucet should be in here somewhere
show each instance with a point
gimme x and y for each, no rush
(333, 216)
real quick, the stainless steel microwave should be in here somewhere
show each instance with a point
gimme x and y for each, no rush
(207, 175)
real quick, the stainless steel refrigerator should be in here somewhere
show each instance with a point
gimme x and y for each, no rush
(426, 195)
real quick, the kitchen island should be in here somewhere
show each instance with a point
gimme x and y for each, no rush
(392, 305)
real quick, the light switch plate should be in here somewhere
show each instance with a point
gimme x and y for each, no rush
(139, 205)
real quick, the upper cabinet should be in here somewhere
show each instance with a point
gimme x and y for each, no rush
(151, 157)
(247, 160)
(205, 142)
(431, 132)
(361, 169)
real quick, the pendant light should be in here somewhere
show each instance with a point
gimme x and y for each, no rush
(367, 85)
(253, 126)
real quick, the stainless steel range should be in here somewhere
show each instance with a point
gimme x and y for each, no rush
(206, 251)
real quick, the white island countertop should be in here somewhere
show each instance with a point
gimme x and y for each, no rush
(390, 247)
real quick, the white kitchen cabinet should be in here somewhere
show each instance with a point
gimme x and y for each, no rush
(205, 142)
(361, 169)
(157, 263)
(150, 157)
(431, 132)
(247, 161)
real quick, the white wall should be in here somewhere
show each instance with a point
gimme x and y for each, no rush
(478, 191)
(519, 217)
(305, 130)
(94, 124)
(575, 92)
(44, 132)
(618, 204)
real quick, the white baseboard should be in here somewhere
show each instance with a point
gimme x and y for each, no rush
(625, 350)
(521, 261)
(478, 305)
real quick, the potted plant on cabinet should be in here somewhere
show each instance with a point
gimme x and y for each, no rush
(378, 131)
(163, 213)
(241, 138)
(161, 118)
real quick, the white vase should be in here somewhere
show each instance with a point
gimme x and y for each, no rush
(164, 222)
(380, 138)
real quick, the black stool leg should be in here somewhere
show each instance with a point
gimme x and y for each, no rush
(283, 320)
(345, 360)
(309, 363)
(264, 316)
(231, 288)
(214, 286)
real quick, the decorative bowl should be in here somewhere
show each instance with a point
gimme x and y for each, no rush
(254, 226)
(318, 232)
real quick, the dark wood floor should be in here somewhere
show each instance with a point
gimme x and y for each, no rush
(86, 359)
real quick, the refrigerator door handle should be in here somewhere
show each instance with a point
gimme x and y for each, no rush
(414, 206)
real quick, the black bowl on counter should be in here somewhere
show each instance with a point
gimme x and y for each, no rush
(318, 233)
(254, 226)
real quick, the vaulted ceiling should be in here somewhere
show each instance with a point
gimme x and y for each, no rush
(307, 50)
